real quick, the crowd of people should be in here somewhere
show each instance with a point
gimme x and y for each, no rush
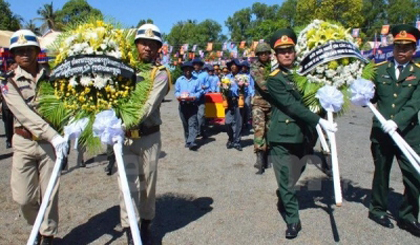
(283, 126)
(199, 79)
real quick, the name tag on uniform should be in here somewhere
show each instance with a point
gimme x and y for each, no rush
(410, 78)
(386, 76)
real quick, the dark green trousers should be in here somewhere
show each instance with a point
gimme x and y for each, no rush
(383, 155)
(288, 167)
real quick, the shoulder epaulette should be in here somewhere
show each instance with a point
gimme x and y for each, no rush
(162, 68)
(381, 63)
(274, 73)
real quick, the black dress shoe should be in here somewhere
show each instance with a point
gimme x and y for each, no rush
(81, 164)
(37, 239)
(237, 147)
(192, 146)
(129, 236)
(382, 220)
(145, 231)
(411, 226)
(293, 230)
(229, 145)
(46, 240)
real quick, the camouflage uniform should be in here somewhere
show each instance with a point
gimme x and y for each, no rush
(261, 109)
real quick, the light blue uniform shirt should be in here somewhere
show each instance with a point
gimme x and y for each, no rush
(213, 81)
(234, 89)
(191, 86)
(250, 90)
(203, 78)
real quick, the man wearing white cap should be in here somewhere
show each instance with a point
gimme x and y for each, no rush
(35, 142)
(141, 154)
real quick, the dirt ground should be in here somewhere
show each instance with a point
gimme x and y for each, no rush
(212, 196)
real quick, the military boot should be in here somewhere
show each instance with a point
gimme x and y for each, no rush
(129, 236)
(145, 231)
(267, 163)
(259, 164)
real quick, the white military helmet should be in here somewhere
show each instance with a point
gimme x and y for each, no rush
(149, 31)
(22, 38)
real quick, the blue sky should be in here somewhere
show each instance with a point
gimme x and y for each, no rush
(164, 13)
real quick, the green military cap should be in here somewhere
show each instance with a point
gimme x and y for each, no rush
(404, 34)
(283, 38)
(262, 47)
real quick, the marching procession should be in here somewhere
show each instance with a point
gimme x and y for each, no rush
(107, 86)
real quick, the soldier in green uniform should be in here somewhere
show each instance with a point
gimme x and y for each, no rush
(261, 108)
(290, 126)
(397, 97)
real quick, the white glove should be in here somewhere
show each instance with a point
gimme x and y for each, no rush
(389, 126)
(61, 145)
(327, 126)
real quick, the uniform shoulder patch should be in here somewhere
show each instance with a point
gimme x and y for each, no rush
(381, 63)
(3, 86)
(274, 73)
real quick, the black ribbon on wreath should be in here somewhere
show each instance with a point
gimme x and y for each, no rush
(88, 64)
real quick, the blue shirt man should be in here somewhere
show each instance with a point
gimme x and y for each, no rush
(201, 74)
(190, 86)
(188, 92)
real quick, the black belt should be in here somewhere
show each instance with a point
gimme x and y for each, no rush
(142, 131)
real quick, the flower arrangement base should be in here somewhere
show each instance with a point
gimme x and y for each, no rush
(241, 101)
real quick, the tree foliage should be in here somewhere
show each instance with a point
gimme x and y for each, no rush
(191, 32)
(49, 18)
(143, 21)
(30, 25)
(75, 11)
(347, 12)
(8, 20)
(260, 20)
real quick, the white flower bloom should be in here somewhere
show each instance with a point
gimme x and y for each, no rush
(330, 73)
(320, 69)
(100, 81)
(77, 48)
(85, 81)
(89, 50)
(115, 54)
(73, 81)
(91, 35)
(103, 46)
(69, 40)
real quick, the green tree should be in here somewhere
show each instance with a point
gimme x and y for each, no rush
(49, 18)
(347, 12)
(403, 11)
(260, 20)
(30, 25)
(375, 15)
(8, 20)
(265, 29)
(191, 32)
(239, 23)
(75, 11)
(142, 22)
(287, 12)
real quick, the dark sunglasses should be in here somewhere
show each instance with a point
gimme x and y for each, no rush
(24, 50)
